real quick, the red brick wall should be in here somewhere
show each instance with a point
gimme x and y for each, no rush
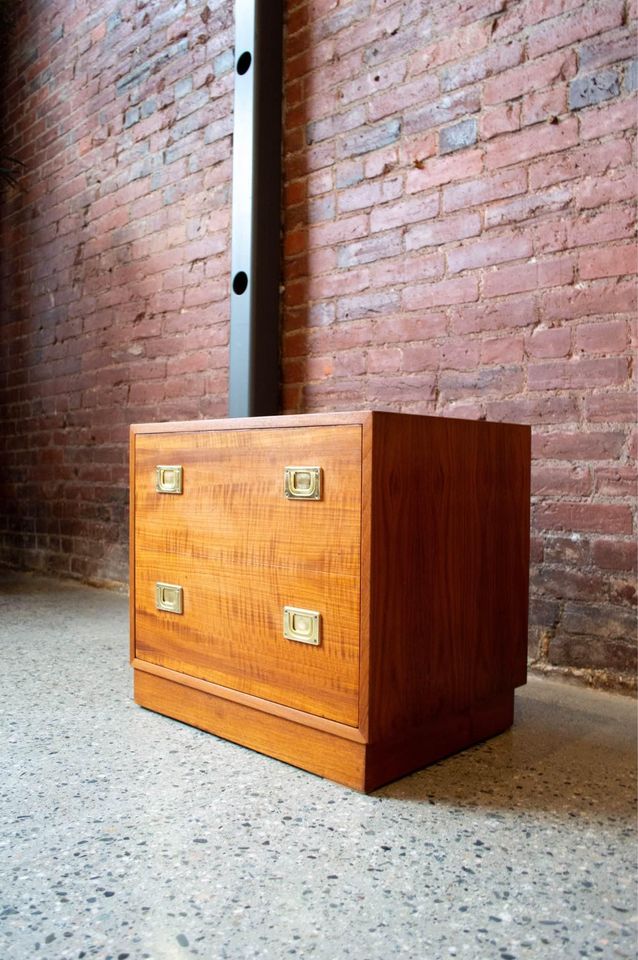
(458, 240)
(115, 277)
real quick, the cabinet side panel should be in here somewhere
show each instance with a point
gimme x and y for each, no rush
(449, 568)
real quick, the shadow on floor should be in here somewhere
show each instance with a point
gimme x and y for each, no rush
(571, 752)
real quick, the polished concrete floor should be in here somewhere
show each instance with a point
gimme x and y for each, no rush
(129, 835)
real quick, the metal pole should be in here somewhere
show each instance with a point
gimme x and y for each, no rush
(256, 244)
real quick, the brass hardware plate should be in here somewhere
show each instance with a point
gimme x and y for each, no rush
(169, 479)
(302, 625)
(169, 597)
(302, 483)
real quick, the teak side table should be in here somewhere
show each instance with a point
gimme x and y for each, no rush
(344, 591)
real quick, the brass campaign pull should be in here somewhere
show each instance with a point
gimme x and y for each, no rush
(302, 483)
(302, 625)
(169, 479)
(169, 597)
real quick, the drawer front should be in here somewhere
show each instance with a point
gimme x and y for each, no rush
(243, 542)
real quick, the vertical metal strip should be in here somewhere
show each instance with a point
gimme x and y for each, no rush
(255, 269)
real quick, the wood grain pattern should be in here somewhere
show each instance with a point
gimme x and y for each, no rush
(417, 558)
(242, 551)
(449, 613)
(313, 750)
(342, 730)
(437, 738)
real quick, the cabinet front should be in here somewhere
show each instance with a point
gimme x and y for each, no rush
(247, 561)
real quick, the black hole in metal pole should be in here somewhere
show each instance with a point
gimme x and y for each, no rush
(240, 282)
(244, 62)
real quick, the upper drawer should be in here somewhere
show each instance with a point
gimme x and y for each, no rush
(233, 494)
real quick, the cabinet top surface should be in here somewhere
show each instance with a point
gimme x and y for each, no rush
(301, 420)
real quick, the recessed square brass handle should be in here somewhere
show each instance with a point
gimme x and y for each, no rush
(304, 626)
(169, 478)
(302, 483)
(169, 597)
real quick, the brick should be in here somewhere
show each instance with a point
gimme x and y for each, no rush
(544, 106)
(608, 119)
(406, 269)
(494, 315)
(600, 191)
(401, 212)
(527, 144)
(370, 249)
(615, 554)
(543, 410)
(578, 446)
(341, 231)
(369, 138)
(605, 338)
(566, 584)
(616, 482)
(592, 18)
(334, 124)
(486, 381)
(609, 47)
(603, 622)
(422, 89)
(585, 517)
(592, 160)
(384, 360)
(593, 89)
(416, 357)
(614, 223)
(444, 110)
(502, 350)
(475, 36)
(423, 296)
(456, 227)
(529, 77)
(494, 60)
(623, 592)
(481, 190)
(607, 262)
(554, 342)
(402, 389)
(487, 252)
(405, 327)
(611, 406)
(439, 170)
(578, 374)
(561, 481)
(368, 85)
(616, 656)
(521, 277)
(599, 297)
(631, 76)
(459, 136)
(380, 163)
(574, 550)
(367, 305)
(369, 194)
(503, 118)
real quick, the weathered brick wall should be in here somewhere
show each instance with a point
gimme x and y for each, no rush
(116, 260)
(458, 225)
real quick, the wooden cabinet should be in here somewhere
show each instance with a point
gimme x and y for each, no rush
(345, 592)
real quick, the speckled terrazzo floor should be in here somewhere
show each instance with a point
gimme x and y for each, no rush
(128, 835)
